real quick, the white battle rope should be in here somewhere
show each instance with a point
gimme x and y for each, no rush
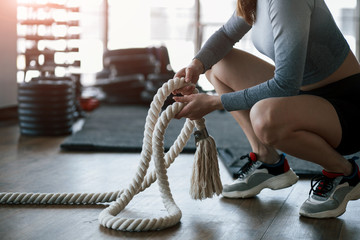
(205, 177)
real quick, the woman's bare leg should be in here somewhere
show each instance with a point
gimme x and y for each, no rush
(237, 71)
(303, 126)
(306, 127)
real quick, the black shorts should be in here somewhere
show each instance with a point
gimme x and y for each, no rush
(344, 95)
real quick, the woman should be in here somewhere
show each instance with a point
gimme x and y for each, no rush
(307, 105)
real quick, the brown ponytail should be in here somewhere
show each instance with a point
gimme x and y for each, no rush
(247, 10)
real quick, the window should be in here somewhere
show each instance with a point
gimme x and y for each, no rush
(173, 23)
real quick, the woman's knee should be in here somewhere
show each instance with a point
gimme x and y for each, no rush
(210, 76)
(228, 64)
(267, 122)
(239, 70)
(217, 72)
(216, 79)
(226, 75)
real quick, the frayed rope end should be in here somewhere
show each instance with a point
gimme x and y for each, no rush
(205, 180)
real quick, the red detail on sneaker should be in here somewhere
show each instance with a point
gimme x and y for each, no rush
(252, 156)
(358, 170)
(331, 175)
(286, 165)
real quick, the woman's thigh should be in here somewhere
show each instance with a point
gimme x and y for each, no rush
(298, 113)
(239, 70)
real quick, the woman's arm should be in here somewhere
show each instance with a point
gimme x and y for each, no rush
(215, 48)
(290, 20)
(222, 41)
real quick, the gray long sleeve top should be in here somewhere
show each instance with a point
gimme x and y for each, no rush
(300, 36)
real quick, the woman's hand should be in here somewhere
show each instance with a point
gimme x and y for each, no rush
(191, 74)
(197, 105)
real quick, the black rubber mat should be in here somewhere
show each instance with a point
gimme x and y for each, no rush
(121, 128)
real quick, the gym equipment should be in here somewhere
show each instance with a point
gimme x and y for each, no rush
(141, 70)
(123, 89)
(46, 106)
(205, 181)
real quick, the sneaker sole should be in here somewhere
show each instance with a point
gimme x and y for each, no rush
(278, 182)
(353, 195)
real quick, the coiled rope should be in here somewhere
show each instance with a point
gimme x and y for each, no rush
(205, 177)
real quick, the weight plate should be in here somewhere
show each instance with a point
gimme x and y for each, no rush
(42, 113)
(46, 85)
(53, 78)
(46, 118)
(48, 126)
(46, 106)
(47, 99)
(48, 92)
(32, 132)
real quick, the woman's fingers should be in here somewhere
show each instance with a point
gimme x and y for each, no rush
(189, 75)
(187, 90)
(182, 99)
(181, 73)
(197, 105)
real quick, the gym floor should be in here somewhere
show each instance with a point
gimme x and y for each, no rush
(36, 164)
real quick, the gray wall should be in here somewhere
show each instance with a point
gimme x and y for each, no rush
(8, 39)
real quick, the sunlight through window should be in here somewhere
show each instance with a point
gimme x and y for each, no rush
(74, 30)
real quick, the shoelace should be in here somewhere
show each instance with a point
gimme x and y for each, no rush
(247, 166)
(324, 185)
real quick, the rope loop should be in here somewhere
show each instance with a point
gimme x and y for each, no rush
(152, 147)
(153, 142)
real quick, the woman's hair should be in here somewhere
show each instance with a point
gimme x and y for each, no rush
(247, 10)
